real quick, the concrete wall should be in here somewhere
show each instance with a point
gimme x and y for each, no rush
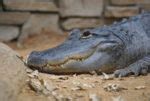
(20, 19)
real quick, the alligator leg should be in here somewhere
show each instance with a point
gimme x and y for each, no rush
(141, 66)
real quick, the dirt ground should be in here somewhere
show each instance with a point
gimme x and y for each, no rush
(83, 87)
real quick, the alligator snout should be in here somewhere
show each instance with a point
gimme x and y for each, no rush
(35, 59)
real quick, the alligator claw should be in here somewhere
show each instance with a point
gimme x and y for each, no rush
(122, 73)
(133, 70)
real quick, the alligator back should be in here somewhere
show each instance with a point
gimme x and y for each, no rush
(135, 33)
(145, 19)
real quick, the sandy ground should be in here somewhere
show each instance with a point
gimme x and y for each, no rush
(80, 87)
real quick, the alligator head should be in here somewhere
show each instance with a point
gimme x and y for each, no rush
(83, 51)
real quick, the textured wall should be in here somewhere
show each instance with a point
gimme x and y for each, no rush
(21, 18)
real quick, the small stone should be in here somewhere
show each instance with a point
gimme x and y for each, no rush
(62, 98)
(28, 70)
(76, 83)
(88, 85)
(113, 88)
(34, 74)
(54, 93)
(107, 77)
(140, 87)
(46, 92)
(75, 75)
(94, 97)
(63, 78)
(36, 85)
(77, 88)
(119, 98)
(48, 86)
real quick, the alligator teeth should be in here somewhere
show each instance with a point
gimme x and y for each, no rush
(61, 65)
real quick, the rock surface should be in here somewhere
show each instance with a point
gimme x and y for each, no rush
(8, 33)
(14, 18)
(81, 23)
(40, 23)
(146, 7)
(118, 12)
(12, 74)
(123, 2)
(30, 5)
(84, 8)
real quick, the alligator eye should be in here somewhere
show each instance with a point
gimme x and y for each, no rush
(86, 34)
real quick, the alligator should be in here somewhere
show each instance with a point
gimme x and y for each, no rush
(122, 48)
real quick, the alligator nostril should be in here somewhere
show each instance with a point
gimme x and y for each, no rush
(34, 59)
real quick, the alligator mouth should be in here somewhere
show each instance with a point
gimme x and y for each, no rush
(69, 60)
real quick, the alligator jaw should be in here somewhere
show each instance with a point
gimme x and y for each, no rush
(61, 66)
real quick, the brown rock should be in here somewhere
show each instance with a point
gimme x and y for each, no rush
(144, 4)
(31, 5)
(86, 8)
(94, 97)
(146, 7)
(81, 23)
(114, 11)
(143, 1)
(40, 23)
(124, 2)
(15, 18)
(8, 33)
(12, 74)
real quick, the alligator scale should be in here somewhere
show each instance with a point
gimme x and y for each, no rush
(122, 48)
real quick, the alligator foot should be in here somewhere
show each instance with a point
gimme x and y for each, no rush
(142, 67)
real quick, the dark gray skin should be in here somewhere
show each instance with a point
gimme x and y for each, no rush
(123, 47)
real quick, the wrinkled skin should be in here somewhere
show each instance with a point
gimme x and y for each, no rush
(103, 49)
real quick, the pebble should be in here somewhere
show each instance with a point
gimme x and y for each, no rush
(36, 85)
(107, 77)
(42, 86)
(63, 78)
(28, 70)
(77, 88)
(113, 87)
(119, 98)
(76, 83)
(48, 86)
(94, 97)
(139, 87)
(34, 74)
(63, 98)
(88, 85)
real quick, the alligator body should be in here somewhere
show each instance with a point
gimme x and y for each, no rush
(122, 48)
